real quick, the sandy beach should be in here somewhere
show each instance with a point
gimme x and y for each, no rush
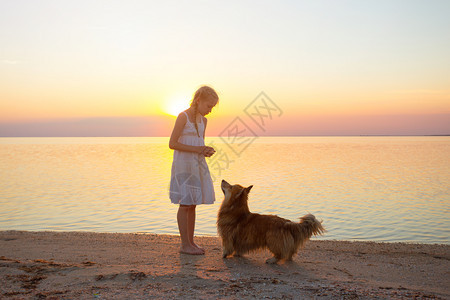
(78, 265)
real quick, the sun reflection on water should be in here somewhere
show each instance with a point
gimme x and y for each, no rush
(386, 189)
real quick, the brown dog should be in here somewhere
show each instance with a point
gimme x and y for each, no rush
(242, 231)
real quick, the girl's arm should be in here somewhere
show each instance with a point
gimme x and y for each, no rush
(209, 151)
(205, 121)
(176, 133)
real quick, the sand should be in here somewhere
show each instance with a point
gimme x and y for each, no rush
(76, 265)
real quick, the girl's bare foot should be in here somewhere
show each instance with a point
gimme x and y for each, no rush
(198, 247)
(191, 250)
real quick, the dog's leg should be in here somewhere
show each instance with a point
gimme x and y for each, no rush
(227, 252)
(227, 248)
(282, 246)
(272, 260)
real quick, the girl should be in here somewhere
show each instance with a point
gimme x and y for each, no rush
(191, 182)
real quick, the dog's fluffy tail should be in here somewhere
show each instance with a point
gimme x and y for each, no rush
(307, 227)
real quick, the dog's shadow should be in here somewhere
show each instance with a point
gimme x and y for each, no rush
(251, 266)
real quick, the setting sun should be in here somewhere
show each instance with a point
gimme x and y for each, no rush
(176, 104)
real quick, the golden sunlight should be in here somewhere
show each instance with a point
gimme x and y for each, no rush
(176, 104)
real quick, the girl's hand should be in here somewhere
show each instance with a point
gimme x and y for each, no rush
(208, 151)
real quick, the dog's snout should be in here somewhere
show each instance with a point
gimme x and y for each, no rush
(224, 186)
(224, 183)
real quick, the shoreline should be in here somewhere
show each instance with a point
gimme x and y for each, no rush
(62, 265)
(319, 238)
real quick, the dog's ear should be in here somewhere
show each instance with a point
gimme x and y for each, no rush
(225, 184)
(239, 194)
(247, 190)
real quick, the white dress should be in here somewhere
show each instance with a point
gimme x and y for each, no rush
(190, 182)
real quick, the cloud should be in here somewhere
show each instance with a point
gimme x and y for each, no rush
(11, 62)
(422, 92)
(97, 27)
(96, 126)
(298, 125)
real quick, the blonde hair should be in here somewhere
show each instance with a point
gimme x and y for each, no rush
(201, 93)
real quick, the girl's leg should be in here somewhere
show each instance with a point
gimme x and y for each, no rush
(191, 227)
(184, 225)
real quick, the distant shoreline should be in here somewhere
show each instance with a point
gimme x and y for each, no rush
(268, 136)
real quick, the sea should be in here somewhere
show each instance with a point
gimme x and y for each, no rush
(363, 188)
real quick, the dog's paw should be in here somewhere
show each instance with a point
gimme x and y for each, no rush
(272, 260)
(227, 252)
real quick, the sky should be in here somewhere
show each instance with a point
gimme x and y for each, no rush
(126, 68)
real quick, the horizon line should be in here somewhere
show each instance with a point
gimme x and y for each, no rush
(258, 136)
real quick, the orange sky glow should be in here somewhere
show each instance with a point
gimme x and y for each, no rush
(110, 68)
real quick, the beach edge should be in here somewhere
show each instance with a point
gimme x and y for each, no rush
(140, 265)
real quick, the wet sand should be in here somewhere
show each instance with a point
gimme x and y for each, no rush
(76, 265)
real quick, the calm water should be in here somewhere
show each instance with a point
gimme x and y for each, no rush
(363, 188)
